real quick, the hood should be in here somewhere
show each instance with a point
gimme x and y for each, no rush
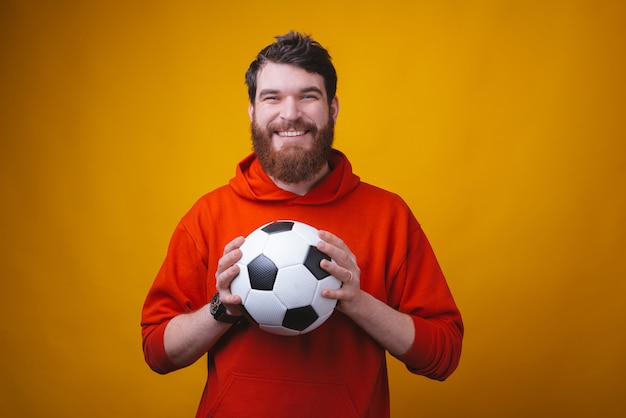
(252, 183)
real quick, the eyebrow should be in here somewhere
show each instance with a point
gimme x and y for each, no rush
(269, 92)
(266, 92)
(312, 89)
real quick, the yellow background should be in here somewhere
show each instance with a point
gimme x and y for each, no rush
(500, 122)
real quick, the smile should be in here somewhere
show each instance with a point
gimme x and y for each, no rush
(291, 133)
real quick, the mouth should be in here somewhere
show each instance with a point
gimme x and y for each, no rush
(290, 134)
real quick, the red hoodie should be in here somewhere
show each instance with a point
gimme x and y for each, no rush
(337, 370)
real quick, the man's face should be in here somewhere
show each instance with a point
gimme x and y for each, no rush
(291, 122)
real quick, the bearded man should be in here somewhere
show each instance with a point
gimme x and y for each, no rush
(393, 298)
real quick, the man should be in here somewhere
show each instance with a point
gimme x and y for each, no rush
(393, 298)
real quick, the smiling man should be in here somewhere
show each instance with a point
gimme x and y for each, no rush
(394, 297)
(292, 124)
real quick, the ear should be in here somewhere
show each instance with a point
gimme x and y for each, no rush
(250, 111)
(334, 108)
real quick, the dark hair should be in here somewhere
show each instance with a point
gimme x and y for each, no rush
(299, 50)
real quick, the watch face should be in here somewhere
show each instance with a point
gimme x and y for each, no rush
(215, 304)
(219, 311)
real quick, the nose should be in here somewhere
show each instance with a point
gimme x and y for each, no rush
(289, 109)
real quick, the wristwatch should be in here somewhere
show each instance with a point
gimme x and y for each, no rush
(218, 310)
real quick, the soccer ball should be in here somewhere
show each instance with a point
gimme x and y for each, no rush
(280, 280)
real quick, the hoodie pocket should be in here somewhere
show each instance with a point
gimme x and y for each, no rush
(248, 396)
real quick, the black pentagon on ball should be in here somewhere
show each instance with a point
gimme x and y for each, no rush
(300, 318)
(312, 262)
(262, 273)
(276, 227)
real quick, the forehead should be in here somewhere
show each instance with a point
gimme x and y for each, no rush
(287, 78)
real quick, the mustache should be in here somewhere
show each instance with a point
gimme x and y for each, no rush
(296, 125)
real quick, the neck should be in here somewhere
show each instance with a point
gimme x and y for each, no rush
(304, 187)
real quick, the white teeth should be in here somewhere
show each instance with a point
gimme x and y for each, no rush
(291, 133)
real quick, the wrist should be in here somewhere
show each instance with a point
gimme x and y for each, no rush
(351, 307)
(221, 313)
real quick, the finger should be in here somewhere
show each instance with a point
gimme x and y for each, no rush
(328, 248)
(228, 298)
(227, 270)
(226, 276)
(231, 254)
(342, 256)
(332, 239)
(233, 245)
(227, 262)
(343, 274)
(331, 294)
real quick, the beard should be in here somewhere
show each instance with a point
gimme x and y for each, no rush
(293, 164)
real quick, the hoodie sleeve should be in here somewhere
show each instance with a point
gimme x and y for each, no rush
(426, 297)
(179, 287)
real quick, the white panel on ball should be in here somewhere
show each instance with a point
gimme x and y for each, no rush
(320, 303)
(280, 330)
(278, 244)
(265, 307)
(295, 286)
(241, 286)
(307, 232)
(252, 246)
